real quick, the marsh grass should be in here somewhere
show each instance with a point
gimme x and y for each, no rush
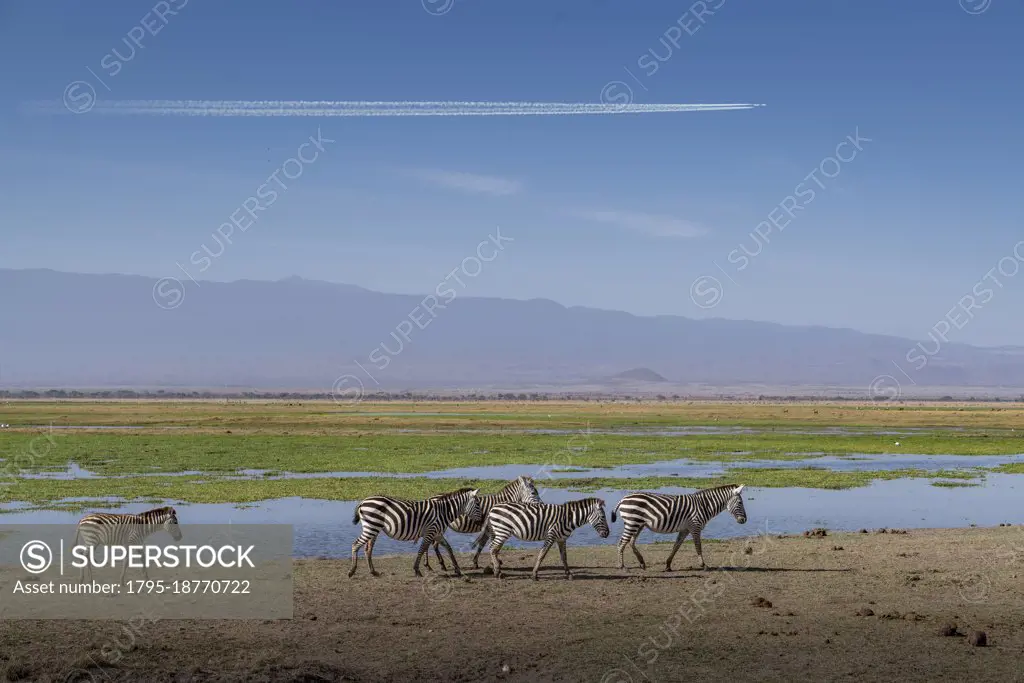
(133, 453)
(41, 493)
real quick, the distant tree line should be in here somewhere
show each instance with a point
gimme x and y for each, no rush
(158, 394)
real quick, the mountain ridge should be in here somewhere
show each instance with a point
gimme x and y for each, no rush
(71, 329)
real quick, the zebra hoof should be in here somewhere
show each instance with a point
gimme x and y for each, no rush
(351, 572)
(536, 578)
(568, 576)
(374, 573)
(488, 570)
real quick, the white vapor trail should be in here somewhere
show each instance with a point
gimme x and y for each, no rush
(369, 108)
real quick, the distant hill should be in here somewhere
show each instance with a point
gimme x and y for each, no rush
(639, 375)
(73, 330)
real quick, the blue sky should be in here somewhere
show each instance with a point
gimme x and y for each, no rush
(620, 212)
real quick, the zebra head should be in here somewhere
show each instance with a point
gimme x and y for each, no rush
(597, 518)
(171, 524)
(471, 509)
(735, 505)
(527, 490)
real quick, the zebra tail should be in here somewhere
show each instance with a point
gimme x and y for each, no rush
(615, 510)
(355, 516)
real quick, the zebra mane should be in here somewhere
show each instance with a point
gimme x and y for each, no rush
(156, 515)
(515, 483)
(452, 494)
(716, 489)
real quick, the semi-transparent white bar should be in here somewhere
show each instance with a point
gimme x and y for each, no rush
(215, 571)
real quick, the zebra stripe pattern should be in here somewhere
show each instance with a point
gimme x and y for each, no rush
(108, 528)
(521, 489)
(543, 522)
(665, 514)
(411, 520)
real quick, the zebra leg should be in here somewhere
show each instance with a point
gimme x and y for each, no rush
(496, 544)
(679, 541)
(622, 546)
(629, 536)
(540, 557)
(124, 571)
(369, 556)
(479, 543)
(565, 562)
(426, 562)
(451, 554)
(696, 544)
(365, 539)
(424, 549)
(639, 557)
(437, 551)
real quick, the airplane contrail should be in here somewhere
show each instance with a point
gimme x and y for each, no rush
(325, 108)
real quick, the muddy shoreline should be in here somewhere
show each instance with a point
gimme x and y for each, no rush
(835, 607)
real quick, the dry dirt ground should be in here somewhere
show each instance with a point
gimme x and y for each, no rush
(839, 607)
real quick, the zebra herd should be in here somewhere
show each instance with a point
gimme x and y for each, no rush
(514, 512)
(517, 511)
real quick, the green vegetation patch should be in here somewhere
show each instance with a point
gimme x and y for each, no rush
(60, 494)
(132, 453)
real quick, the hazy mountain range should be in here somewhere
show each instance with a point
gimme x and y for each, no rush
(74, 330)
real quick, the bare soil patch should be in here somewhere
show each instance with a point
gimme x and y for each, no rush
(791, 610)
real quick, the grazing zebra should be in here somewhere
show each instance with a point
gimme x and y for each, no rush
(521, 489)
(411, 520)
(543, 522)
(686, 514)
(108, 528)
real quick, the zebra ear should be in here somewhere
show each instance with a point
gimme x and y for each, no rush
(739, 489)
(474, 492)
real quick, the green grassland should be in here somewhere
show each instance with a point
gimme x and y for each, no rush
(217, 438)
(109, 453)
(277, 416)
(42, 493)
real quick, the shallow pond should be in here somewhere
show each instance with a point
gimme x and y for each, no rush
(564, 469)
(325, 528)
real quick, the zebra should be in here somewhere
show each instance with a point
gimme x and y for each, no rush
(543, 522)
(411, 520)
(665, 514)
(521, 489)
(109, 528)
